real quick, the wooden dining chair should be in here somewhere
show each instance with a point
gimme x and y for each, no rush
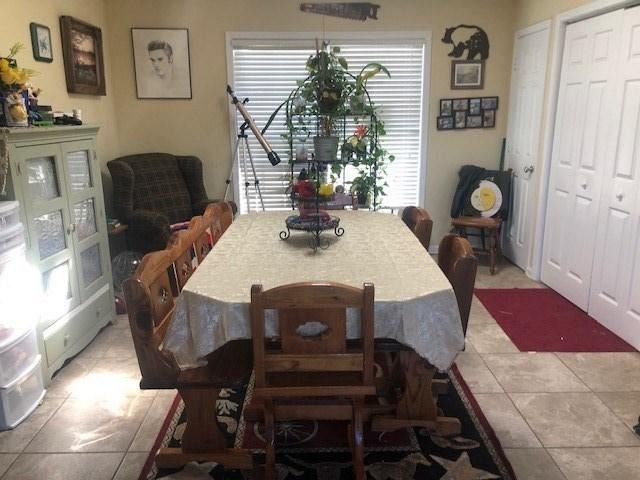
(420, 223)
(150, 306)
(458, 262)
(311, 361)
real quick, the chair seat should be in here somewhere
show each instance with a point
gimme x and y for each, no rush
(229, 366)
(477, 222)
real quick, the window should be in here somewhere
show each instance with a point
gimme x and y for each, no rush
(265, 69)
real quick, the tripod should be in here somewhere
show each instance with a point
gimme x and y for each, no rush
(242, 138)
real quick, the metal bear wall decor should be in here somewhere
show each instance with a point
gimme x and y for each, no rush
(471, 38)
(353, 10)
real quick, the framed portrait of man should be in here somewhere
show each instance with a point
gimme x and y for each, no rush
(161, 62)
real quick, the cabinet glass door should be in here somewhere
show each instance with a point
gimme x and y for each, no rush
(49, 238)
(88, 220)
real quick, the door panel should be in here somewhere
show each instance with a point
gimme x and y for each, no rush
(615, 298)
(581, 150)
(525, 116)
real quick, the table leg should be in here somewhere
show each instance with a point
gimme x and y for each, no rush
(202, 440)
(416, 406)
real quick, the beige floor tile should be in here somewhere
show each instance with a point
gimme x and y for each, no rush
(111, 377)
(17, 439)
(532, 372)
(490, 338)
(90, 425)
(480, 318)
(598, 463)
(506, 421)
(6, 459)
(121, 321)
(146, 435)
(131, 466)
(533, 464)
(606, 372)
(64, 466)
(626, 405)
(476, 374)
(469, 348)
(66, 379)
(102, 342)
(573, 420)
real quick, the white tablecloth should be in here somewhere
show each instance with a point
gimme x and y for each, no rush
(414, 302)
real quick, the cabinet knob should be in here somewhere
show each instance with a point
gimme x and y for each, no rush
(71, 228)
(620, 196)
(584, 186)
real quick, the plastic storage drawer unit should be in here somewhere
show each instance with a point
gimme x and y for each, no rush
(11, 237)
(18, 351)
(9, 214)
(21, 397)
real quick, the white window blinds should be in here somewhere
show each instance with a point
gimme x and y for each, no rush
(266, 70)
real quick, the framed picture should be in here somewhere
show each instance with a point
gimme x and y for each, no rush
(460, 104)
(467, 74)
(41, 42)
(475, 106)
(161, 62)
(474, 121)
(489, 103)
(445, 123)
(83, 57)
(489, 118)
(446, 107)
(460, 120)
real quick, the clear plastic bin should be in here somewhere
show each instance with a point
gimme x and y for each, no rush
(20, 398)
(18, 351)
(12, 257)
(11, 237)
(9, 214)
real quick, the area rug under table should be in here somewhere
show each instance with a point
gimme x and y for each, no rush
(541, 320)
(309, 450)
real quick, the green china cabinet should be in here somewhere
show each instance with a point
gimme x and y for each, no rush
(56, 177)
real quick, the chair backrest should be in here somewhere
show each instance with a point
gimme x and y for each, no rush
(420, 223)
(312, 337)
(150, 306)
(458, 262)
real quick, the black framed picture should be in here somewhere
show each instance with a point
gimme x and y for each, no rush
(489, 118)
(41, 42)
(489, 103)
(460, 119)
(446, 107)
(474, 121)
(460, 104)
(467, 74)
(475, 106)
(445, 123)
(161, 62)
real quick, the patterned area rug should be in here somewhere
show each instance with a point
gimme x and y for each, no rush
(319, 450)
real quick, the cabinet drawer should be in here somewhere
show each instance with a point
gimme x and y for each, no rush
(64, 333)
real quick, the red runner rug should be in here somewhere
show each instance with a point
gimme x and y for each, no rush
(541, 320)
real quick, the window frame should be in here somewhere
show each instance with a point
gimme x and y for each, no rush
(293, 38)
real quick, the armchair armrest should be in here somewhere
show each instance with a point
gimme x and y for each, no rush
(122, 177)
(148, 231)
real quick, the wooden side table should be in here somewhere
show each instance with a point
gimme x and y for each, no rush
(489, 227)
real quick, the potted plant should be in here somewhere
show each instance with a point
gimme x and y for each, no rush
(357, 99)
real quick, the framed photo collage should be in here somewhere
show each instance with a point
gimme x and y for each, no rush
(470, 112)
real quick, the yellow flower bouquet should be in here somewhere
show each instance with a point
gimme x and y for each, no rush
(13, 86)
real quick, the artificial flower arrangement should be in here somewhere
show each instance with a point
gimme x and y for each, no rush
(14, 88)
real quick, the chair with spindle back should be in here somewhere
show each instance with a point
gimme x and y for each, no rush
(150, 305)
(311, 361)
(216, 219)
(458, 262)
(420, 223)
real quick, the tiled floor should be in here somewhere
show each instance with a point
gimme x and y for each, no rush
(558, 416)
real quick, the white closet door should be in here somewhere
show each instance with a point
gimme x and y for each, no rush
(615, 292)
(525, 115)
(581, 138)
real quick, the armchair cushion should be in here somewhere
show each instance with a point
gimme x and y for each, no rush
(148, 231)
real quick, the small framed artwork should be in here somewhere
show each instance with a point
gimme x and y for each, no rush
(474, 121)
(474, 106)
(489, 103)
(83, 57)
(41, 42)
(460, 104)
(467, 74)
(460, 120)
(446, 107)
(489, 118)
(445, 123)
(161, 62)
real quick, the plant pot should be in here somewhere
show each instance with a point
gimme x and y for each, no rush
(363, 199)
(326, 149)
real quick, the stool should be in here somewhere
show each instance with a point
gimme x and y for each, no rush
(488, 226)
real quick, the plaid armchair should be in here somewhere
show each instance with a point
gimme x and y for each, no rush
(152, 191)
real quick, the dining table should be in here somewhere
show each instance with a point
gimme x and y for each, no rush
(415, 305)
